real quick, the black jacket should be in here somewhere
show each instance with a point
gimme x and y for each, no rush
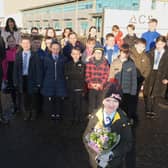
(34, 73)
(75, 76)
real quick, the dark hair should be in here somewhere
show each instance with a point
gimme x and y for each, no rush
(124, 48)
(109, 35)
(115, 27)
(26, 37)
(131, 26)
(72, 33)
(10, 36)
(7, 25)
(34, 28)
(153, 20)
(56, 42)
(50, 28)
(162, 39)
(91, 39)
(36, 37)
(140, 40)
(76, 48)
(67, 28)
(92, 27)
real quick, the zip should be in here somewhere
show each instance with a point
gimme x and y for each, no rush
(55, 65)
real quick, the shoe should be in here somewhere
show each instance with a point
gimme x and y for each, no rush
(150, 113)
(152, 117)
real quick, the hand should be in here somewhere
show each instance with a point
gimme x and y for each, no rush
(103, 159)
(99, 86)
(165, 81)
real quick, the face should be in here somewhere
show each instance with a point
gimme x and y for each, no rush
(73, 39)
(152, 26)
(75, 54)
(50, 33)
(66, 33)
(123, 55)
(160, 45)
(90, 45)
(48, 43)
(36, 44)
(26, 44)
(34, 32)
(11, 43)
(98, 54)
(93, 32)
(140, 47)
(110, 41)
(110, 104)
(11, 24)
(130, 30)
(55, 49)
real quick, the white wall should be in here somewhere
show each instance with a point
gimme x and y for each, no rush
(138, 18)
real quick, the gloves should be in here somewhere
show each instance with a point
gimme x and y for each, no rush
(103, 159)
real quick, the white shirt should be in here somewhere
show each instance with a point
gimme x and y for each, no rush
(157, 58)
(26, 66)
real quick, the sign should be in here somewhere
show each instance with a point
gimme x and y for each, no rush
(139, 18)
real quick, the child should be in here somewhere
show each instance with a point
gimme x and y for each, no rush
(118, 35)
(27, 78)
(87, 54)
(131, 37)
(97, 72)
(72, 42)
(53, 82)
(36, 41)
(156, 83)
(124, 71)
(7, 65)
(74, 75)
(151, 35)
(111, 49)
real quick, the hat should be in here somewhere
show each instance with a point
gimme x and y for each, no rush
(98, 47)
(113, 90)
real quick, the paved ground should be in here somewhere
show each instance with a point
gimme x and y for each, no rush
(48, 144)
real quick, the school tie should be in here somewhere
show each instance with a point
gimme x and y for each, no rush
(25, 63)
(157, 58)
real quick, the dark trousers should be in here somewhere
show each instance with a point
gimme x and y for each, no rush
(129, 105)
(27, 102)
(95, 100)
(76, 102)
(53, 105)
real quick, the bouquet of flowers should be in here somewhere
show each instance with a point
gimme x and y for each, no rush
(102, 140)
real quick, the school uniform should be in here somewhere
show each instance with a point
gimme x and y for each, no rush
(75, 83)
(27, 80)
(53, 84)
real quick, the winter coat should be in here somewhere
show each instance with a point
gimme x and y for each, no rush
(157, 89)
(75, 76)
(53, 80)
(125, 73)
(119, 125)
(142, 63)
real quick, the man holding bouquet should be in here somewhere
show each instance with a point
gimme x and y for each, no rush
(109, 123)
